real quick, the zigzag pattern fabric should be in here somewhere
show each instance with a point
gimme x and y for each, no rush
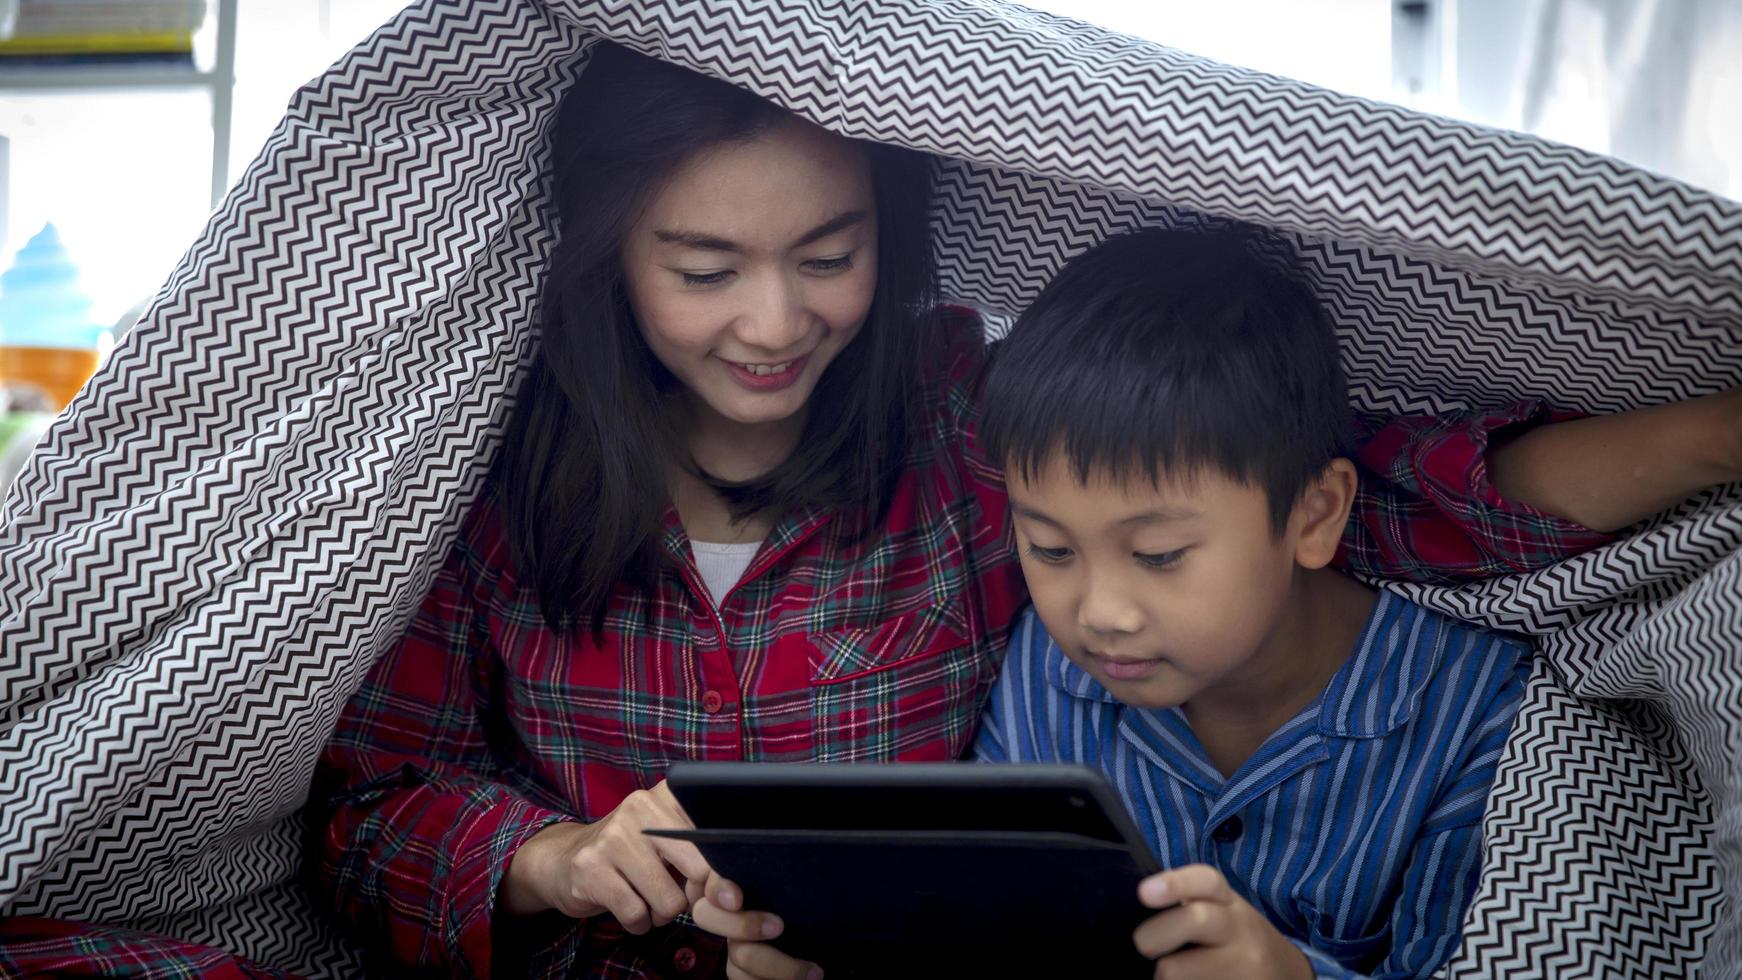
(232, 521)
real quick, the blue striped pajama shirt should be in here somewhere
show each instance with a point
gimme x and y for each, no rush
(1355, 828)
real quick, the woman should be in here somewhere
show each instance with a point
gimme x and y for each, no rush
(737, 518)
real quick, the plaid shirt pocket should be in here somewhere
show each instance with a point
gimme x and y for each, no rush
(907, 689)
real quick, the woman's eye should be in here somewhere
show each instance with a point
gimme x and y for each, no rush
(1160, 559)
(839, 263)
(705, 278)
(1050, 555)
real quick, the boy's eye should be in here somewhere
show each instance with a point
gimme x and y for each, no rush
(705, 278)
(1051, 555)
(1159, 559)
(839, 263)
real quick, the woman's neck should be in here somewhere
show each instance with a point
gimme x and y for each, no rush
(733, 452)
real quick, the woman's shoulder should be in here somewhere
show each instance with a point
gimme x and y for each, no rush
(482, 552)
(959, 351)
(954, 358)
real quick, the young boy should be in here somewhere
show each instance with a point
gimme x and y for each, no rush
(1310, 757)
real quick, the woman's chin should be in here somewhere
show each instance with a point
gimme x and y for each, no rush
(756, 410)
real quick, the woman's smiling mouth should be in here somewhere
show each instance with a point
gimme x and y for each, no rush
(768, 377)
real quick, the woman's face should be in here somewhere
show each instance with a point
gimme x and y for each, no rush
(752, 266)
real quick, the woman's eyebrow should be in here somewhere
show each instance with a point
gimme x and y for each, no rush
(838, 223)
(697, 240)
(713, 243)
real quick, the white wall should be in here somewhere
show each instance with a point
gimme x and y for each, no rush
(1340, 44)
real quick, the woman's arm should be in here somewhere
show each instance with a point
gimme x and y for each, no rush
(435, 844)
(1609, 471)
(1470, 495)
(415, 824)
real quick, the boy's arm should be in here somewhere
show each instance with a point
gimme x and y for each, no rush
(1472, 495)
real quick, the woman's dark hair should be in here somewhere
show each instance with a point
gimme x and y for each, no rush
(581, 482)
(1171, 350)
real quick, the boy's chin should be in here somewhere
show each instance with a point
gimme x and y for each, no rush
(1141, 694)
(1147, 703)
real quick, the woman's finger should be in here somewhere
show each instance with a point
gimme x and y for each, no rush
(661, 794)
(1203, 923)
(619, 897)
(646, 871)
(747, 926)
(683, 856)
(722, 892)
(764, 961)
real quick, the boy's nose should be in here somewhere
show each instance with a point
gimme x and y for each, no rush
(1105, 613)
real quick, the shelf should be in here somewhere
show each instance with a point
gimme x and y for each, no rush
(219, 82)
(49, 78)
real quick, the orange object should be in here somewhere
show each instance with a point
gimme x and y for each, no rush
(58, 372)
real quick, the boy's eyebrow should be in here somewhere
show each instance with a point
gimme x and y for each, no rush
(1160, 515)
(1034, 515)
(713, 243)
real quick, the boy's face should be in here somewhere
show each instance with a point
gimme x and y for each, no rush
(1161, 592)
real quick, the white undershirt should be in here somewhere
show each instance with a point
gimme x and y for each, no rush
(722, 565)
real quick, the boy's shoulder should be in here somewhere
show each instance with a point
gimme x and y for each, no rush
(1410, 658)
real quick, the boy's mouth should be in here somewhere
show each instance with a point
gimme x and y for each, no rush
(1126, 668)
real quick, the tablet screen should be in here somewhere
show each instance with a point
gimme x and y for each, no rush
(910, 870)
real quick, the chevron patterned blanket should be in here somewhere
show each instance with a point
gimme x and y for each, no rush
(226, 527)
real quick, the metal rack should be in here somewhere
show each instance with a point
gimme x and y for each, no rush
(219, 82)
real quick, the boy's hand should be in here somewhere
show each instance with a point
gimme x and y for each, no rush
(610, 866)
(748, 957)
(1229, 937)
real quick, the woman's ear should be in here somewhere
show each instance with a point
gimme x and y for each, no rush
(1322, 512)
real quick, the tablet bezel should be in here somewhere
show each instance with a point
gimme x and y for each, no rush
(944, 796)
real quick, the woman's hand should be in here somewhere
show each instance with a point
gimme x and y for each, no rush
(609, 865)
(748, 956)
(1229, 938)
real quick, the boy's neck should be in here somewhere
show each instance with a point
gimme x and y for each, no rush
(1309, 642)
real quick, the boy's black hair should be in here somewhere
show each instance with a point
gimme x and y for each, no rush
(1171, 351)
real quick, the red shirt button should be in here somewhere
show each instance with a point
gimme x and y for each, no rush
(712, 702)
(684, 959)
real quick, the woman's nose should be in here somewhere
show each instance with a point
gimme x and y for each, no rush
(777, 321)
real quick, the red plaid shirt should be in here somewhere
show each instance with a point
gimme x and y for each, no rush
(482, 727)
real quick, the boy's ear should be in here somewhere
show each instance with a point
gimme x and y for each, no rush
(1322, 512)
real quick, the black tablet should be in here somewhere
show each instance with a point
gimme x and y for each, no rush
(948, 869)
